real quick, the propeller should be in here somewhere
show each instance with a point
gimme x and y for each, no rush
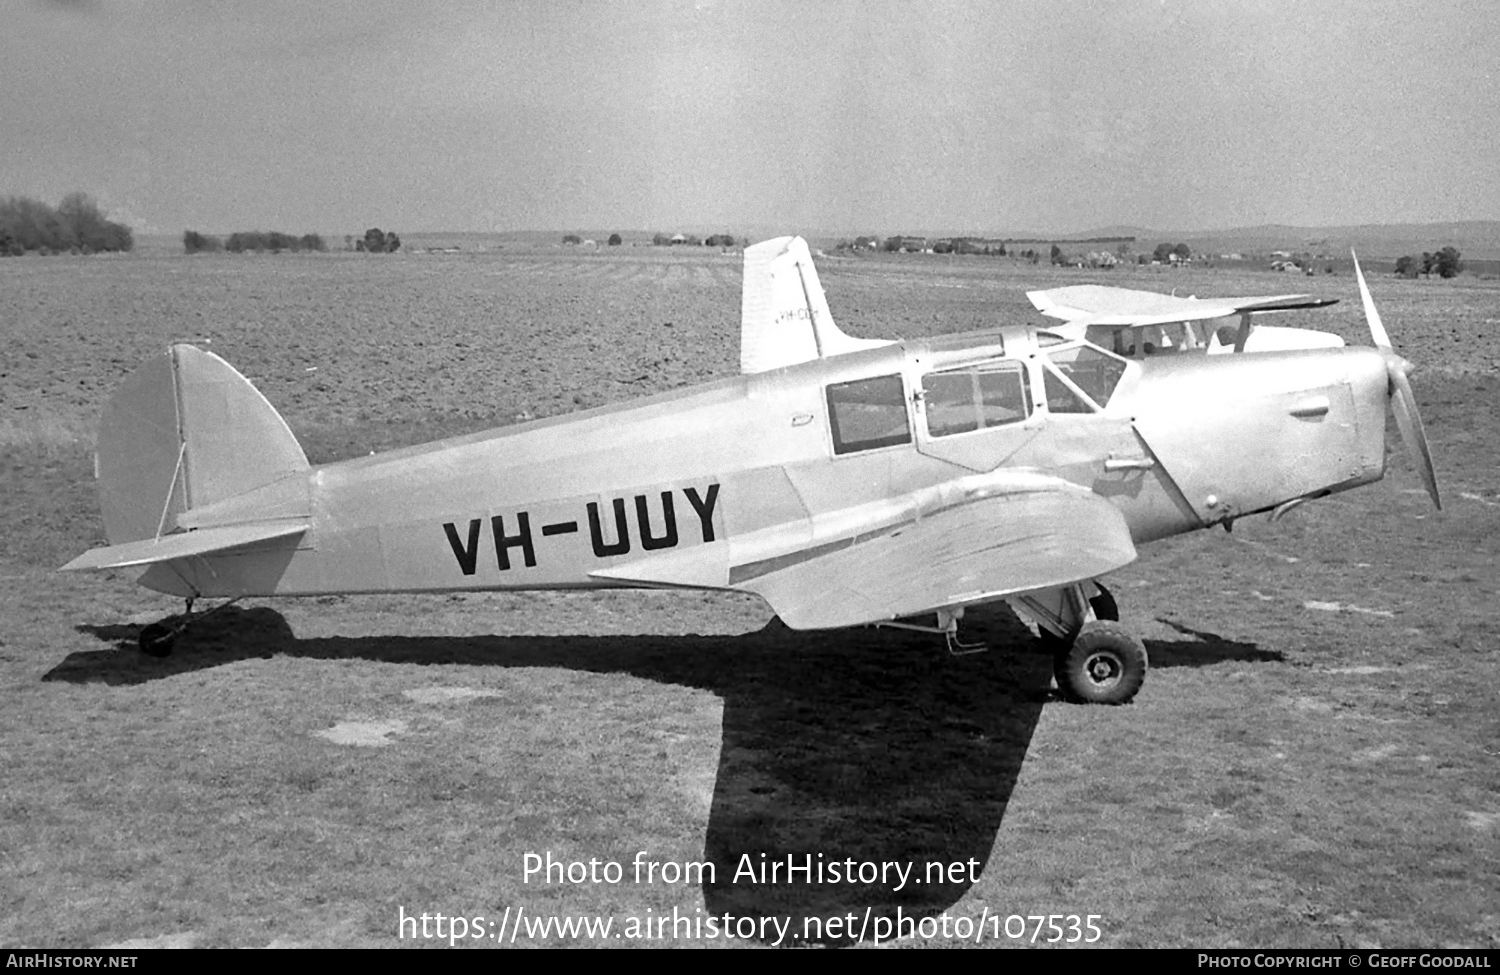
(1403, 400)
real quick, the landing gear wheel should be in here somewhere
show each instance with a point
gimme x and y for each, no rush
(1105, 665)
(156, 639)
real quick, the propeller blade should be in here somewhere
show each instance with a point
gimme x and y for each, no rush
(1377, 328)
(1409, 421)
(1403, 400)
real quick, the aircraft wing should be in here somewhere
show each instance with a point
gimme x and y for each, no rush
(177, 545)
(1092, 304)
(1025, 531)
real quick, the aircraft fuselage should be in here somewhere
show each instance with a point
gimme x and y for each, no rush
(690, 487)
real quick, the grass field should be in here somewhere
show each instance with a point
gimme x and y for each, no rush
(1314, 760)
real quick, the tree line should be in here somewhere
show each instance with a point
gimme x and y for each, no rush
(1446, 262)
(251, 240)
(76, 225)
(375, 241)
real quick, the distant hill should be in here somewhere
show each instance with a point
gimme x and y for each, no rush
(1476, 239)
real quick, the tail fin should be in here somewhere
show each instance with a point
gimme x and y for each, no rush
(185, 431)
(784, 317)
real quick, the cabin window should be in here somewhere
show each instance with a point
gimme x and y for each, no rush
(964, 400)
(1094, 372)
(868, 413)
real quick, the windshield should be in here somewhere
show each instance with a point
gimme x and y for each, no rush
(1094, 372)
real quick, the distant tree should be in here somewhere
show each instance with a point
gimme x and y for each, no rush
(1143, 259)
(193, 242)
(1123, 250)
(572, 239)
(1057, 255)
(1182, 252)
(614, 240)
(1429, 261)
(1406, 266)
(892, 244)
(375, 241)
(85, 227)
(392, 243)
(259, 240)
(1448, 263)
(1162, 254)
(76, 225)
(1001, 251)
(661, 240)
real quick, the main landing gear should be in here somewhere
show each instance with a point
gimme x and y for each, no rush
(1094, 658)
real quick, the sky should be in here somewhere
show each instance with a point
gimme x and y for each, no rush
(806, 116)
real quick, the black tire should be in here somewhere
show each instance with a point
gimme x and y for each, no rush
(156, 640)
(1105, 665)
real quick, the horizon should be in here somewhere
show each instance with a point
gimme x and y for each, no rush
(766, 232)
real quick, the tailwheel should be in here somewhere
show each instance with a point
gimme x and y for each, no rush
(156, 639)
(1105, 665)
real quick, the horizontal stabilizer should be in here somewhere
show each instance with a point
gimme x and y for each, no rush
(183, 544)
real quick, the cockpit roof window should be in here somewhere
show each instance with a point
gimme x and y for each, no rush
(988, 344)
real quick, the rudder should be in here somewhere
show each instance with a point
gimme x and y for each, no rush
(184, 431)
(784, 317)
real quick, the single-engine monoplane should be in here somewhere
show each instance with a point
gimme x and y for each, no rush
(846, 481)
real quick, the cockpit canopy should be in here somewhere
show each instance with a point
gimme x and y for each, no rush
(993, 385)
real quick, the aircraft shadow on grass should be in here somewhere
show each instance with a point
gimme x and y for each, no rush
(864, 745)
